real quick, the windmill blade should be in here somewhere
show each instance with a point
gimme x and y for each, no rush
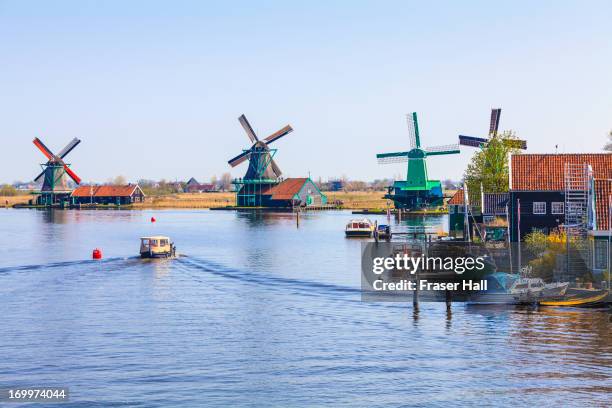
(440, 150)
(248, 129)
(275, 168)
(240, 158)
(44, 149)
(472, 141)
(71, 145)
(72, 174)
(413, 130)
(277, 135)
(396, 157)
(494, 124)
(42, 173)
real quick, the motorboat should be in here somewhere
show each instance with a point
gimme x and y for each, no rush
(157, 246)
(383, 232)
(359, 228)
(506, 288)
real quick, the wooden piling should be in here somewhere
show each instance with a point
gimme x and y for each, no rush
(415, 295)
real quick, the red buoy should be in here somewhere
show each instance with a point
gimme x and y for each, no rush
(97, 254)
(152, 219)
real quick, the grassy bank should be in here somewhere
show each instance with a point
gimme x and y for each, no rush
(189, 200)
(355, 200)
(17, 199)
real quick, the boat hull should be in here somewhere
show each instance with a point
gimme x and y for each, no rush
(156, 255)
(362, 234)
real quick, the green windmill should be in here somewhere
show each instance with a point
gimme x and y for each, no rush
(417, 191)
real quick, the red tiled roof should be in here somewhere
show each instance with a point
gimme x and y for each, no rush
(603, 190)
(286, 189)
(104, 191)
(545, 172)
(457, 199)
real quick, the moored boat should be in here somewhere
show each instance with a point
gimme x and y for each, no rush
(359, 228)
(383, 232)
(504, 288)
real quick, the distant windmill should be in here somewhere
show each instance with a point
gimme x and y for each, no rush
(493, 129)
(54, 171)
(417, 190)
(260, 156)
(263, 172)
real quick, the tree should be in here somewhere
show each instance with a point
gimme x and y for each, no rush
(226, 181)
(608, 145)
(119, 181)
(449, 184)
(213, 180)
(489, 166)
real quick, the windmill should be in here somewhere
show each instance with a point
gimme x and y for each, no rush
(417, 190)
(53, 176)
(263, 172)
(493, 129)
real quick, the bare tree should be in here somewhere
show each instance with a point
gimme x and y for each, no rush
(119, 181)
(608, 145)
(226, 181)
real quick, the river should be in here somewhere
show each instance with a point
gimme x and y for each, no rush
(258, 312)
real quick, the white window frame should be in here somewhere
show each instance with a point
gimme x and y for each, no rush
(543, 211)
(554, 210)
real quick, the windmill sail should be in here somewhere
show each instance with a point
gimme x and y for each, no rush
(445, 149)
(413, 130)
(248, 129)
(396, 157)
(494, 124)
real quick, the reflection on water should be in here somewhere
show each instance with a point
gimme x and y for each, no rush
(258, 312)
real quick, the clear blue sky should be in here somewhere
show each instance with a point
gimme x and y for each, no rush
(154, 88)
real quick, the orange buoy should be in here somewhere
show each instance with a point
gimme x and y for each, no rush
(153, 219)
(97, 254)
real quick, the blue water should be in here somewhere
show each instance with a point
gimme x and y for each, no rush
(258, 312)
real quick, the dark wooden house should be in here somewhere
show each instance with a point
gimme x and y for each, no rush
(537, 188)
(107, 194)
(193, 186)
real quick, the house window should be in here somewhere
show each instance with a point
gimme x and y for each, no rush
(556, 207)
(488, 219)
(539, 207)
(601, 249)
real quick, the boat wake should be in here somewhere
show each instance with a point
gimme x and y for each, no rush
(305, 287)
(106, 261)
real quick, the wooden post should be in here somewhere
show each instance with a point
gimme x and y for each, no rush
(449, 299)
(297, 218)
(415, 295)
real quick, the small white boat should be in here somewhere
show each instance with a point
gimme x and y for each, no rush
(528, 290)
(504, 288)
(359, 228)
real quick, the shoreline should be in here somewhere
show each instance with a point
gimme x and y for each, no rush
(366, 202)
